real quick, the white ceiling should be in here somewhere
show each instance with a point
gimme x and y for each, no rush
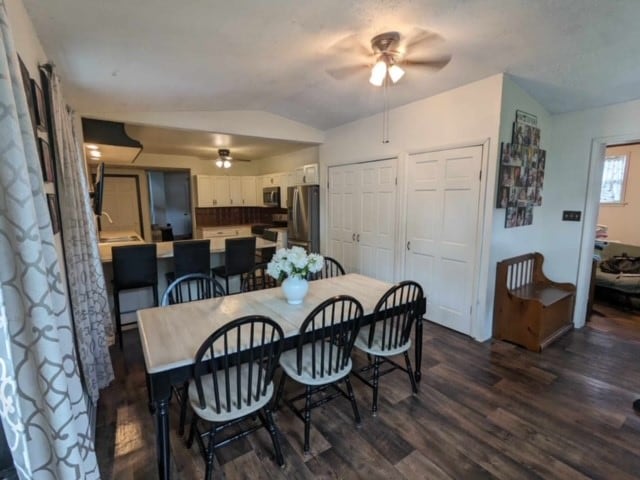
(200, 55)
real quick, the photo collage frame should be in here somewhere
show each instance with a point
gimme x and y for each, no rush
(522, 166)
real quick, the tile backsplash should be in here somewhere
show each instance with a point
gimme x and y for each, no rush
(220, 216)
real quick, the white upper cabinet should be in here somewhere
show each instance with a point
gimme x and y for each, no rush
(306, 175)
(249, 192)
(221, 192)
(235, 191)
(204, 190)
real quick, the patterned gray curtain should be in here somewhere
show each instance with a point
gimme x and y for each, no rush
(42, 403)
(87, 289)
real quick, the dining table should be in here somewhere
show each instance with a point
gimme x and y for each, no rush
(171, 335)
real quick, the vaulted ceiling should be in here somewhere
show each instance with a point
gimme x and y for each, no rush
(200, 55)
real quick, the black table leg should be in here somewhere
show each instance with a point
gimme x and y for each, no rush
(636, 405)
(418, 347)
(162, 438)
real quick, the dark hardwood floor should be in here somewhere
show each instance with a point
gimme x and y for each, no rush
(489, 410)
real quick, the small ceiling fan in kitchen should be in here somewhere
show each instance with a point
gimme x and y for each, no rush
(225, 159)
(391, 54)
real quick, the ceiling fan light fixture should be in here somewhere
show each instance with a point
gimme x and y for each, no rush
(226, 163)
(395, 73)
(378, 73)
(219, 163)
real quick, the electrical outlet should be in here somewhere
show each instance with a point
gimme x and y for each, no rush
(571, 215)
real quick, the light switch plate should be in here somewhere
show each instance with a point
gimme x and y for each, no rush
(571, 215)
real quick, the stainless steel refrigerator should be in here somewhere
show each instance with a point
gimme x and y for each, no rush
(303, 210)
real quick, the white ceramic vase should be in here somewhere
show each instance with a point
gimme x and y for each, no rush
(294, 289)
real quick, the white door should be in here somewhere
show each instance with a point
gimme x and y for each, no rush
(122, 202)
(178, 203)
(343, 190)
(362, 205)
(375, 235)
(442, 217)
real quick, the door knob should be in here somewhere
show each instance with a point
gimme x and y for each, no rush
(353, 237)
(408, 245)
(358, 238)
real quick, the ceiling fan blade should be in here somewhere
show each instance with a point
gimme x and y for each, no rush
(350, 44)
(432, 63)
(420, 38)
(340, 73)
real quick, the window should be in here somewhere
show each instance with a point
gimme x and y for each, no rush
(613, 179)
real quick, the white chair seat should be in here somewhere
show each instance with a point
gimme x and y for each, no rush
(237, 410)
(288, 363)
(362, 343)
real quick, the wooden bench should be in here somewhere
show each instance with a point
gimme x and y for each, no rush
(530, 310)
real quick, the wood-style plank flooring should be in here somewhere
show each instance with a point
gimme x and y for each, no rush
(490, 410)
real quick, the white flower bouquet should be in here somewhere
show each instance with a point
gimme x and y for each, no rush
(294, 262)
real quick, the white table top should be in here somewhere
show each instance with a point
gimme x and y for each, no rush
(171, 335)
(165, 249)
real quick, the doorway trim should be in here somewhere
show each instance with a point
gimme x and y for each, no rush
(591, 211)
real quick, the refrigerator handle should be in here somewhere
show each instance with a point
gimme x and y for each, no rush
(295, 212)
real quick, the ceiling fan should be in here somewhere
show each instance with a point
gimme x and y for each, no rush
(224, 158)
(390, 54)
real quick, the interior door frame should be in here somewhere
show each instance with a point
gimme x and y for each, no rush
(591, 212)
(137, 179)
(483, 237)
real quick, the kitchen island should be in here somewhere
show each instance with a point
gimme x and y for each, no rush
(135, 299)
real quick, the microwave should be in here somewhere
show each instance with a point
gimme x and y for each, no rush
(271, 196)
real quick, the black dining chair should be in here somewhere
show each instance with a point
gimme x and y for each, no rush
(134, 266)
(264, 255)
(190, 256)
(322, 357)
(390, 334)
(189, 288)
(257, 279)
(331, 268)
(239, 258)
(233, 381)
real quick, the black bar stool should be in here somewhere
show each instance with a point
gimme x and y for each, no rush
(239, 258)
(190, 256)
(134, 266)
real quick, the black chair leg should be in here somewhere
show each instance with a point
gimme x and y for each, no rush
(192, 431)
(375, 383)
(183, 408)
(208, 474)
(155, 295)
(226, 282)
(278, 398)
(412, 378)
(273, 431)
(352, 398)
(307, 419)
(116, 305)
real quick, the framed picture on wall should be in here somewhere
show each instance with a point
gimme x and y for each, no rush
(52, 202)
(26, 85)
(46, 161)
(41, 109)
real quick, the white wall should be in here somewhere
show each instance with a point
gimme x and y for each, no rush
(509, 242)
(468, 115)
(289, 161)
(622, 219)
(578, 174)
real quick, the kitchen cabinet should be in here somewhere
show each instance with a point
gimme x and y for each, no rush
(235, 191)
(249, 197)
(306, 175)
(204, 190)
(223, 191)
